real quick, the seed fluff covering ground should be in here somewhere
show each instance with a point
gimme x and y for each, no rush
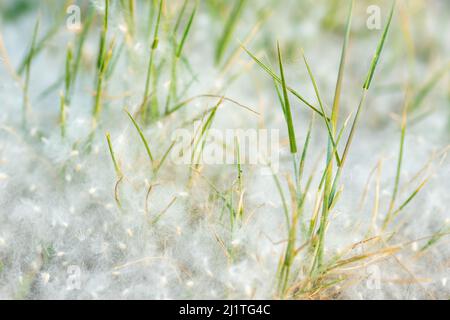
(95, 202)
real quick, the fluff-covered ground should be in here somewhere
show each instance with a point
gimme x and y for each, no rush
(73, 227)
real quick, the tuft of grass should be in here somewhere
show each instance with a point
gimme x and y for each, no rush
(366, 87)
(332, 145)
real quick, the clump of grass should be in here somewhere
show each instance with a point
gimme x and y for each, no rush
(329, 182)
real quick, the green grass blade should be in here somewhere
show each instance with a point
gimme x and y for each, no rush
(230, 26)
(389, 217)
(287, 106)
(154, 45)
(428, 86)
(327, 122)
(26, 104)
(376, 57)
(62, 115)
(164, 157)
(186, 32)
(156, 31)
(270, 72)
(180, 16)
(305, 149)
(113, 156)
(141, 134)
(82, 39)
(337, 92)
(400, 157)
(68, 73)
(39, 45)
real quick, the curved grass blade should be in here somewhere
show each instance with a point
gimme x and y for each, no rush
(141, 134)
